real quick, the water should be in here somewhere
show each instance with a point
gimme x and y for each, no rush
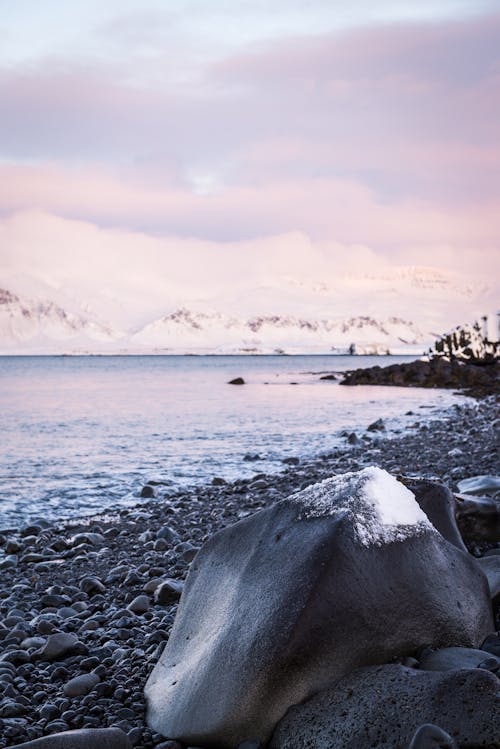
(81, 434)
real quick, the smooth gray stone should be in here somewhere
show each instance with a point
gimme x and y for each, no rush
(80, 685)
(87, 738)
(491, 568)
(57, 646)
(139, 605)
(283, 603)
(480, 485)
(439, 505)
(447, 659)
(383, 706)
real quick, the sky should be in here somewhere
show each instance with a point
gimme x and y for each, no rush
(138, 137)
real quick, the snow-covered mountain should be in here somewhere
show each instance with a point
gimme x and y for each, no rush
(41, 326)
(191, 331)
(196, 303)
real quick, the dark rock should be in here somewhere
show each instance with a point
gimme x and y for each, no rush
(328, 377)
(491, 568)
(384, 706)
(353, 438)
(478, 518)
(148, 491)
(139, 605)
(291, 461)
(58, 646)
(432, 737)
(100, 738)
(81, 685)
(168, 591)
(439, 505)
(437, 372)
(92, 539)
(168, 534)
(308, 590)
(492, 645)
(376, 426)
(92, 585)
(446, 659)
(237, 381)
(480, 485)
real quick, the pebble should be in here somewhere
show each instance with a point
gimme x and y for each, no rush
(57, 646)
(168, 591)
(103, 616)
(81, 685)
(139, 605)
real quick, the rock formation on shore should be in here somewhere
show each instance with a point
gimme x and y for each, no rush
(347, 573)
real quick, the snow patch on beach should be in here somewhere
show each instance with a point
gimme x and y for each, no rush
(381, 508)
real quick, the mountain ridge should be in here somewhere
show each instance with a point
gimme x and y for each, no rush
(42, 326)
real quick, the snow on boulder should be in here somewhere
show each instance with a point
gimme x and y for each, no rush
(346, 573)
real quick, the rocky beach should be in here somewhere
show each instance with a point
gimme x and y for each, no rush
(86, 608)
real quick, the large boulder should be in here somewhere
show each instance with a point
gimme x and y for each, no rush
(383, 706)
(347, 573)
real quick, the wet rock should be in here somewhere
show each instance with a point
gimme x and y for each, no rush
(92, 585)
(168, 534)
(384, 706)
(491, 568)
(310, 588)
(291, 461)
(9, 562)
(446, 659)
(93, 539)
(328, 377)
(237, 381)
(478, 518)
(139, 605)
(148, 491)
(168, 591)
(376, 426)
(492, 645)
(100, 738)
(81, 685)
(480, 485)
(439, 505)
(58, 646)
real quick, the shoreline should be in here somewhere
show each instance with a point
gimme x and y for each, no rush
(127, 553)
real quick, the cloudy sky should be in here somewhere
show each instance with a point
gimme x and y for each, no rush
(137, 133)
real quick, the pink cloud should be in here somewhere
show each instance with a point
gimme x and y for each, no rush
(323, 208)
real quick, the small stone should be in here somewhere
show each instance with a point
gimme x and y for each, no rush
(169, 591)
(58, 646)
(139, 605)
(81, 685)
(376, 426)
(92, 585)
(148, 491)
(168, 534)
(237, 381)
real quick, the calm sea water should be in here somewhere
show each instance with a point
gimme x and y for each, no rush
(80, 434)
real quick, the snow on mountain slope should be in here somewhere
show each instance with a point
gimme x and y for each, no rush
(291, 307)
(45, 327)
(185, 330)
